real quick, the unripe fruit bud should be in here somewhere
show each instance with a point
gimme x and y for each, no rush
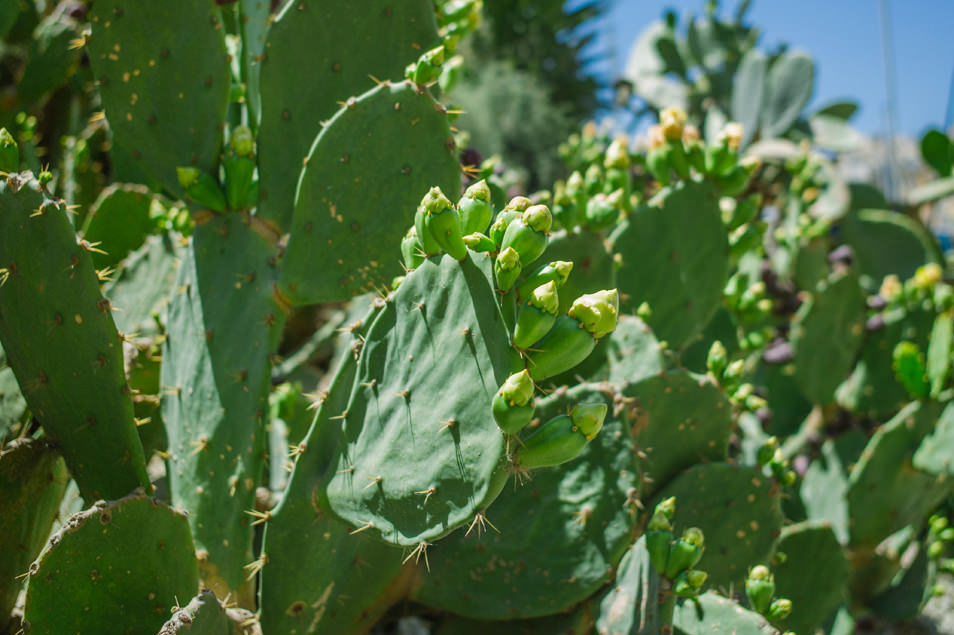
(201, 187)
(556, 441)
(475, 207)
(597, 312)
(672, 121)
(717, 360)
(9, 153)
(443, 223)
(536, 316)
(242, 141)
(686, 552)
(563, 347)
(511, 406)
(760, 588)
(411, 250)
(589, 418)
(557, 272)
(779, 610)
(479, 242)
(617, 156)
(507, 268)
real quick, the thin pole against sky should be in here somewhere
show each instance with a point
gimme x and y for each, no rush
(887, 51)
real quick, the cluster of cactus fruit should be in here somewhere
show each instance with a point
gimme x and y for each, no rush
(723, 405)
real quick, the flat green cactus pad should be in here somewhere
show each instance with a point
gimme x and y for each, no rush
(117, 567)
(347, 46)
(223, 325)
(826, 334)
(886, 242)
(319, 576)
(825, 482)
(554, 540)
(872, 388)
(935, 455)
(365, 177)
(32, 482)
(204, 615)
(631, 607)
(164, 79)
(634, 354)
(59, 337)
(675, 257)
(738, 511)
(680, 419)
(814, 574)
(12, 403)
(118, 223)
(144, 285)
(431, 363)
(885, 492)
(714, 613)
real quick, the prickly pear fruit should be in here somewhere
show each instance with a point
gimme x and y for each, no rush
(480, 243)
(239, 163)
(443, 223)
(685, 552)
(565, 345)
(589, 418)
(507, 268)
(412, 252)
(201, 188)
(760, 588)
(557, 272)
(9, 152)
(528, 234)
(689, 583)
(427, 69)
(597, 312)
(512, 406)
(536, 316)
(428, 243)
(602, 211)
(476, 210)
(779, 610)
(555, 442)
(659, 534)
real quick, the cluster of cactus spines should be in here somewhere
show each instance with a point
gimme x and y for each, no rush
(60, 340)
(579, 516)
(134, 555)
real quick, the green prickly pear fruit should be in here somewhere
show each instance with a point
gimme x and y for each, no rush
(512, 407)
(511, 212)
(443, 223)
(480, 243)
(576, 190)
(557, 271)
(908, 364)
(564, 346)
(565, 209)
(733, 183)
(597, 312)
(721, 157)
(760, 588)
(412, 252)
(507, 268)
(659, 535)
(767, 452)
(779, 610)
(201, 188)
(717, 360)
(428, 242)
(657, 156)
(45, 177)
(528, 234)
(556, 441)
(685, 552)
(9, 152)
(537, 315)
(602, 211)
(689, 583)
(476, 210)
(617, 155)
(239, 164)
(427, 68)
(593, 180)
(589, 418)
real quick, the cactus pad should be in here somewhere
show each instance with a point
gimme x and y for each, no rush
(593, 267)
(204, 615)
(431, 364)
(365, 176)
(716, 614)
(738, 511)
(32, 482)
(144, 285)
(118, 222)
(885, 492)
(59, 337)
(886, 242)
(680, 419)
(813, 575)
(826, 334)
(935, 455)
(127, 560)
(675, 257)
(12, 404)
(634, 354)
(345, 585)
(223, 325)
(164, 79)
(557, 536)
(631, 607)
(346, 44)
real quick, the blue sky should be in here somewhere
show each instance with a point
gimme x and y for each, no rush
(844, 37)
